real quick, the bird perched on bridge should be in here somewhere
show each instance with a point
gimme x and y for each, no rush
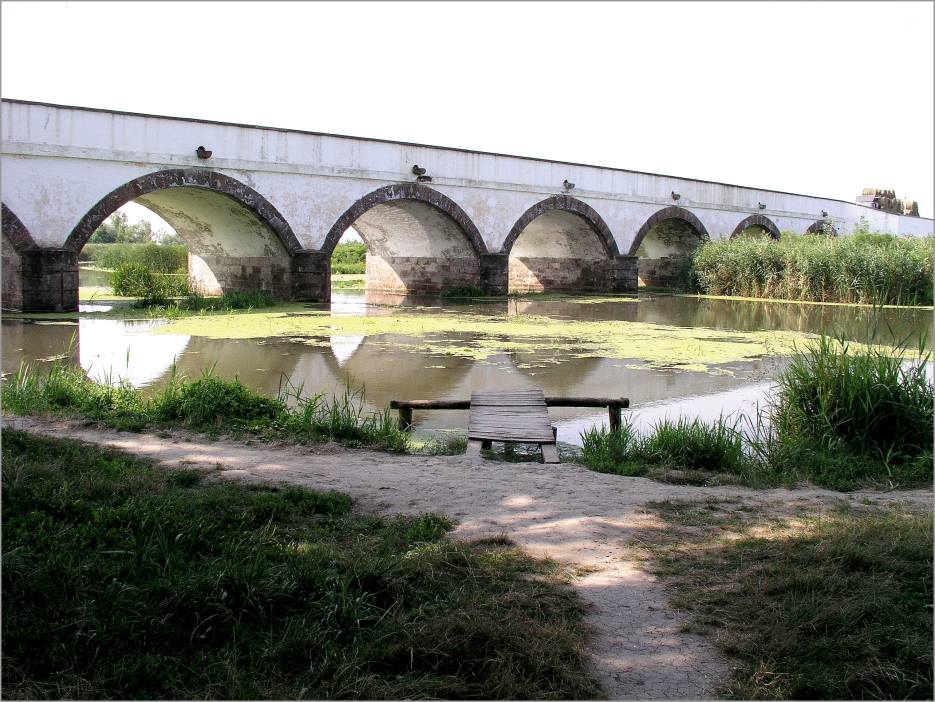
(203, 153)
(418, 170)
(568, 185)
(675, 195)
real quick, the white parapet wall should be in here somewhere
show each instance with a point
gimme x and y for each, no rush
(59, 162)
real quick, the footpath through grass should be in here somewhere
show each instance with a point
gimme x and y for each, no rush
(125, 580)
(815, 606)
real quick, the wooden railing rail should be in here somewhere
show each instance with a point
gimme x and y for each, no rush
(614, 407)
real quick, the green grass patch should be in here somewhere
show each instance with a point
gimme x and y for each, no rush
(862, 268)
(209, 404)
(833, 606)
(679, 450)
(125, 580)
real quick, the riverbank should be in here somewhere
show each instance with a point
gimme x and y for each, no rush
(642, 649)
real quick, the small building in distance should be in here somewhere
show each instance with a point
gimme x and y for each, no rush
(887, 201)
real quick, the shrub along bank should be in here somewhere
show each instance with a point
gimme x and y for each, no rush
(349, 257)
(863, 268)
(843, 417)
(125, 580)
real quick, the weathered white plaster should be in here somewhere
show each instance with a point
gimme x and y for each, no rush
(59, 161)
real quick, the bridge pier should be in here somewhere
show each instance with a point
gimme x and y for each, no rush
(623, 274)
(495, 273)
(311, 276)
(49, 280)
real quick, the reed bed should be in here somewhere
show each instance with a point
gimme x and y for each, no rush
(863, 268)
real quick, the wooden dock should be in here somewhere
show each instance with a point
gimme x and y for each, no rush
(528, 406)
(518, 416)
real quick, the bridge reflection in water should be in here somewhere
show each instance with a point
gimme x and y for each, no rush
(391, 367)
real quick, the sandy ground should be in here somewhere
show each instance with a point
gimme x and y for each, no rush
(565, 512)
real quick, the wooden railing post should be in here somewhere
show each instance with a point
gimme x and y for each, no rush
(613, 411)
(405, 418)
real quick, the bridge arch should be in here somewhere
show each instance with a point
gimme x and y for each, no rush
(237, 239)
(664, 245)
(418, 239)
(757, 221)
(560, 243)
(822, 226)
(16, 241)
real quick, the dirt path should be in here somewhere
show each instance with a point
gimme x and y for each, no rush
(565, 512)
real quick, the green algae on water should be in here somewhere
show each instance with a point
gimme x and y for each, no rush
(479, 337)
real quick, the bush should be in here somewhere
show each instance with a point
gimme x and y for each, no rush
(211, 401)
(159, 258)
(349, 258)
(863, 268)
(137, 280)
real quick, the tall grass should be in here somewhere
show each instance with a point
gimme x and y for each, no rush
(152, 288)
(208, 403)
(863, 268)
(683, 444)
(843, 416)
(853, 414)
(159, 258)
(124, 580)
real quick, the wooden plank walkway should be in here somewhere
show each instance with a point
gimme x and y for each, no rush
(519, 416)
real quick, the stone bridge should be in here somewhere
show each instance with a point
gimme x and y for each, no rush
(263, 208)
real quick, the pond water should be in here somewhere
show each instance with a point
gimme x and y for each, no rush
(669, 355)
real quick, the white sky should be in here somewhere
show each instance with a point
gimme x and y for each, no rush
(816, 98)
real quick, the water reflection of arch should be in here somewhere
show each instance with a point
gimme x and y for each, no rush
(24, 340)
(389, 369)
(260, 366)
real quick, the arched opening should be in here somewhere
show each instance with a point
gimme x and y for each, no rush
(756, 226)
(664, 246)
(236, 240)
(418, 240)
(822, 226)
(16, 242)
(560, 244)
